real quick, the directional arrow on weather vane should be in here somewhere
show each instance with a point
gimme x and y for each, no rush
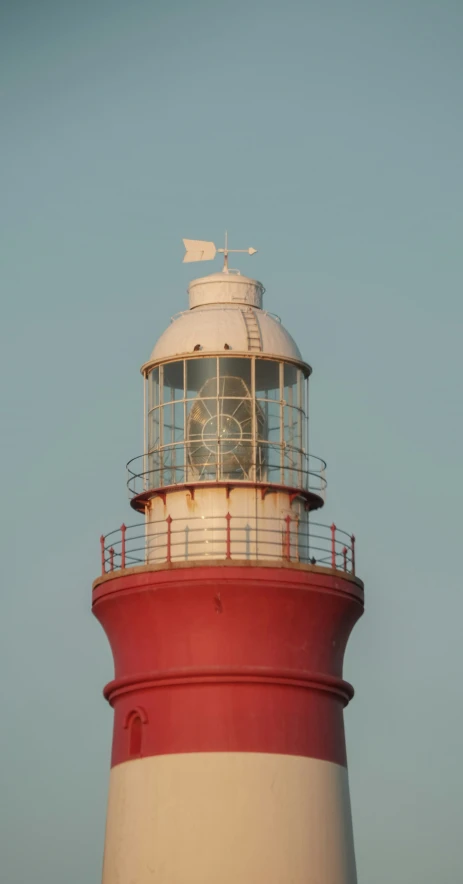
(200, 250)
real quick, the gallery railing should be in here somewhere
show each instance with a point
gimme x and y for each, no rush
(181, 464)
(228, 537)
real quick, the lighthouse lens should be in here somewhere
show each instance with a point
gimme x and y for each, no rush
(222, 434)
(220, 430)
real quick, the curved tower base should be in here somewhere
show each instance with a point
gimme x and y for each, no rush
(229, 760)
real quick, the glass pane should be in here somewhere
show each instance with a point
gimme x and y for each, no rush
(234, 386)
(261, 423)
(231, 369)
(173, 381)
(236, 418)
(172, 423)
(272, 460)
(173, 465)
(302, 390)
(292, 427)
(153, 388)
(236, 462)
(154, 478)
(201, 414)
(153, 429)
(178, 461)
(179, 429)
(267, 379)
(290, 392)
(201, 376)
(261, 463)
(292, 473)
(272, 425)
(200, 430)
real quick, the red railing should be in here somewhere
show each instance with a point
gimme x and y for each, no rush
(228, 537)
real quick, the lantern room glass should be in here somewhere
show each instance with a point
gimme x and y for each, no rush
(227, 418)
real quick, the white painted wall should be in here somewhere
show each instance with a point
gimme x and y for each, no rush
(229, 818)
(197, 537)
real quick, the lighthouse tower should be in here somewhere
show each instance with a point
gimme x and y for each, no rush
(228, 606)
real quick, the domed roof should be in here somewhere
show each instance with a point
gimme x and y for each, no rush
(225, 313)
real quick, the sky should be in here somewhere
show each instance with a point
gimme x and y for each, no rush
(329, 136)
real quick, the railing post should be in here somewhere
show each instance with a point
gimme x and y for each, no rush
(103, 565)
(296, 519)
(228, 553)
(344, 555)
(111, 558)
(352, 540)
(123, 530)
(169, 539)
(286, 542)
(333, 546)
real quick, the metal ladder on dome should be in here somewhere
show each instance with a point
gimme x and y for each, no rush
(252, 329)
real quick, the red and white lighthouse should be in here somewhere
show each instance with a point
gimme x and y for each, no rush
(228, 607)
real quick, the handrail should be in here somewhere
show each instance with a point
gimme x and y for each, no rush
(228, 537)
(282, 465)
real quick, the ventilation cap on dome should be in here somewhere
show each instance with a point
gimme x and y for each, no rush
(225, 288)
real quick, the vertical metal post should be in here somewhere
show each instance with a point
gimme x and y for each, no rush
(254, 422)
(161, 426)
(297, 520)
(172, 445)
(146, 405)
(218, 466)
(169, 539)
(352, 540)
(333, 546)
(184, 439)
(308, 541)
(344, 555)
(103, 566)
(282, 424)
(228, 553)
(123, 530)
(305, 406)
(287, 538)
(111, 558)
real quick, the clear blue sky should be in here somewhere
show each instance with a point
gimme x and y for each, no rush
(329, 135)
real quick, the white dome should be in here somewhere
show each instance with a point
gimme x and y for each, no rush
(222, 311)
(213, 327)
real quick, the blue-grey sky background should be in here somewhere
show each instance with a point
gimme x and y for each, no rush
(329, 135)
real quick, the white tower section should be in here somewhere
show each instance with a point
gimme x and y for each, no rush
(226, 468)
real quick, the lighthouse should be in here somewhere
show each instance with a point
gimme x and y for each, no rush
(228, 604)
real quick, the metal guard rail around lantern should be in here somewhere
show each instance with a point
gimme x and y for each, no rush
(144, 479)
(169, 541)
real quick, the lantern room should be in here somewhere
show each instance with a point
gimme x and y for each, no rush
(226, 417)
(214, 418)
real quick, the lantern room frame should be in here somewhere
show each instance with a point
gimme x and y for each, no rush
(272, 452)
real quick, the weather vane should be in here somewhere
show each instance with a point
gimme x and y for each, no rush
(199, 250)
